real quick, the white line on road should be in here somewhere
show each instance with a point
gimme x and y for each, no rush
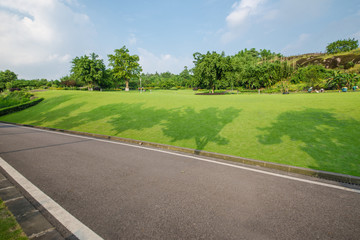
(207, 160)
(65, 218)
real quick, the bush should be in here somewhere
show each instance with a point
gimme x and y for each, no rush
(19, 107)
(349, 65)
(14, 98)
(342, 46)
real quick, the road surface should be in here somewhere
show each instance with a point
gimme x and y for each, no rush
(123, 191)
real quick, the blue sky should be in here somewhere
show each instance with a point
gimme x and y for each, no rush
(39, 38)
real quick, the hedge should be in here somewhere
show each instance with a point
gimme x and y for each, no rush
(19, 107)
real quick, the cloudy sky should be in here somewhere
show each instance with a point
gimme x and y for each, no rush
(39, 38)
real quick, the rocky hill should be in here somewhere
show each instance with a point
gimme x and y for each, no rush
(342, 61)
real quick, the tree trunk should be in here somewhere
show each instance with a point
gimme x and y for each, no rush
(213, 89)
(127, 85)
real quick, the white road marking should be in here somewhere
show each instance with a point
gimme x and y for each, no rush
(1, 189)
(65, 218)
(204, 160)
(13, 199)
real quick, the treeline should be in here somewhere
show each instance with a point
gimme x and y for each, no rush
(248, 69)
(10, 81)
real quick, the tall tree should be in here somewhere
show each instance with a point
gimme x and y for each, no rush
(124, 66)
(89, 69)
(210, 69)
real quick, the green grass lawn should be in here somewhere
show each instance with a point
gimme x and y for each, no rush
(318, 131)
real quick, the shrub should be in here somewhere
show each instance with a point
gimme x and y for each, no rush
(19, 107)
(342, 46)
(349, 65)
(14, 98)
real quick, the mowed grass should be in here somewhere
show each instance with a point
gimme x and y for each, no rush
(318, 131)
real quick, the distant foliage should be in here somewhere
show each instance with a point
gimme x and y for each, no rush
(21, 83)
(342, 46)
(311, 75)
(247, 69)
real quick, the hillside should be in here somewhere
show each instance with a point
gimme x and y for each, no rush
(349, 61)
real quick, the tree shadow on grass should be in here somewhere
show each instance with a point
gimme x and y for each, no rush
(57, 115)
(203, 126)
(121, 116)
(47, 111)
(332, 142)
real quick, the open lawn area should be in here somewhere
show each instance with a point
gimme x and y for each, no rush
(318, 131)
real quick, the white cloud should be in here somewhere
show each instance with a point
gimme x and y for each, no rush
(152, 63)
(240, 15)
(41, 33)
(241, 11)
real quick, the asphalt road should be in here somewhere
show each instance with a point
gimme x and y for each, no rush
(125, 192)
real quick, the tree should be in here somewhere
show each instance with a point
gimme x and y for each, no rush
(210, 69)
(89, 69)
(124, 66)
(342, 46)
(185, 77)
(5, 77)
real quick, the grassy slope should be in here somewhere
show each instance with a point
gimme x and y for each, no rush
(319, 131)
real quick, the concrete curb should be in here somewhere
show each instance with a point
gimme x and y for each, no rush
(32, 221)
(287, 168)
